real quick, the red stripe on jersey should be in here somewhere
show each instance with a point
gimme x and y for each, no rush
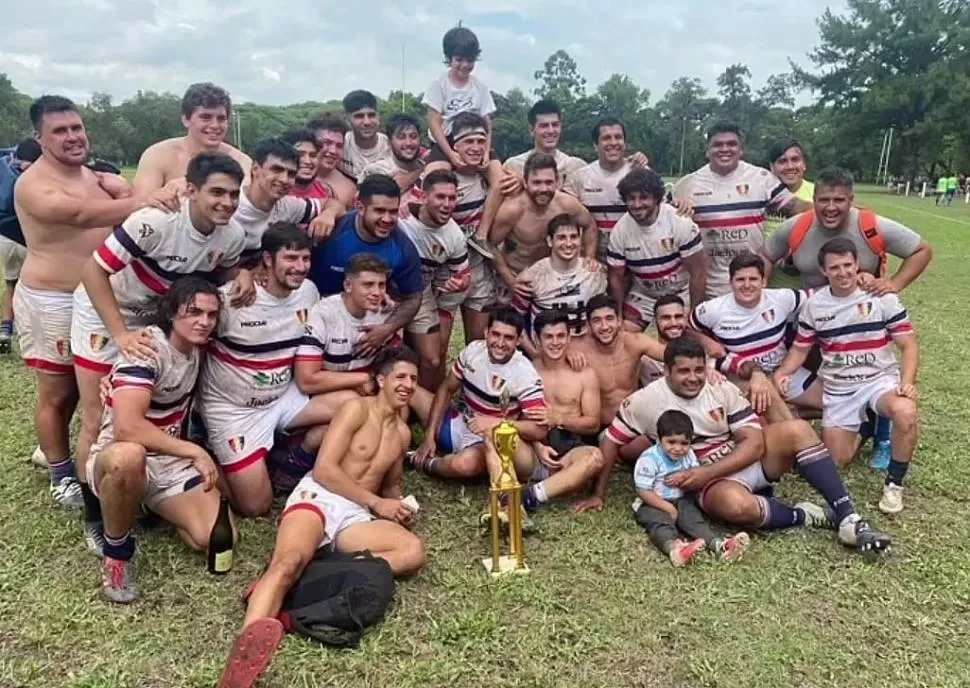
(493, 412)
(606, 224)
(658, 274)
(171, 419)
(268, 364)
(619, 436)
(148, 279)
(110, 259)
(902, 328)
(859, 345)
(743, 221)
(308, 358)
(805, 340)
(755, 350)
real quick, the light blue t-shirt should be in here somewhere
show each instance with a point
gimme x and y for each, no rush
(654, 466)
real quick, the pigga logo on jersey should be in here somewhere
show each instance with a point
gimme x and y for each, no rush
(177, 259)
(271, 379)
(253, 323)
(854, 359)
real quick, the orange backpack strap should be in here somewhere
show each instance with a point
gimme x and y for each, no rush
(874, 238)
(803, 223)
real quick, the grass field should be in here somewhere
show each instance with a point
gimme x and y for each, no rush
(601, 608)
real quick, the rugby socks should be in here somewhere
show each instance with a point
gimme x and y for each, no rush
(896, 472)
(92, 505)
(6, 329)
(533, 495)
(776, 514)
(298, 463)
(816, 466)
(122, 548)
(60, 469)
(884, 429)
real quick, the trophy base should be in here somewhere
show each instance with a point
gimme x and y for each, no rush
(506, 565)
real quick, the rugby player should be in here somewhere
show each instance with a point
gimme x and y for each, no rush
(788, 164)
(444, 270)
(740, 459)
(331, 132)
(206, 110)
(662, 251)
(562, 282)
(670, 318)
(12, 254)
(65, 212)
(518, 237)
(140, 455)
(404, 165)
(855, 331)
(730, 199)
(247, 392)
(751, 325)
(306, 184)
(483, 372)
(352, 500)
(364, 144)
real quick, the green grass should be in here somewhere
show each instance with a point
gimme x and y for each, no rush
(601, 608)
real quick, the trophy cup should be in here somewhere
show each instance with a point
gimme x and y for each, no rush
(505, 438)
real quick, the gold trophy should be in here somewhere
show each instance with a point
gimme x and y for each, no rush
(505, 438)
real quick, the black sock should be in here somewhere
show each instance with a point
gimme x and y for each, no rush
(122, 547)
(816, 466)
(896, 472)
(92, 505)
(776, 514)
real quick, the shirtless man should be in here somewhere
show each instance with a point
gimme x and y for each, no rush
(364, 144)
(206, 109)
(518, 237)
(404, 165)
(331, 131)
(352, 499)
(65, 211)
(306, 184)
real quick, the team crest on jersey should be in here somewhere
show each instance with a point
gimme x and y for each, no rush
(63, 347)
(769, 315)
(437, 250)
(864, 308)
(667, 243)
(307, 496)
(716, 414)
(146, 230)
(743, 189)
(625, 403)
(498, 382)
(98, 341)
(237, 444)
(213, 257)
(301, 315)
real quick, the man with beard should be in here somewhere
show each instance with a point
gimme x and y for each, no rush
(483, 372)
(331, 132)
(364, 144)
(206, 110)
(306, 184)
(740, 460)
(670, 318)
(662, 251)
(562, 282)
(372, 228)
(444, 269)
(731, 199)
(266, 200)
(518, 237)
(404, 164)
(65, 212)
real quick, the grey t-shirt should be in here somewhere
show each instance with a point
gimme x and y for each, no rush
(901, 241)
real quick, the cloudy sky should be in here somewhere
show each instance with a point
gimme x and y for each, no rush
(279, 52)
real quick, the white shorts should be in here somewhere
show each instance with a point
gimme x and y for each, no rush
(848, 410)
(93, 347)
(427, 319)
(752, 477)
(336, 512)
(241, 436)
(44, 324)
(166, 476)
(12, 257)
(481, 291)
(455, 435)
(801, 380)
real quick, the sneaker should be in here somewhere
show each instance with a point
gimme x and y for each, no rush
(117, 584)
(855, 532)
(67, 492)
(816, 516)
(892, 499)
(94, 538)
(732, 549)
(881, 454)
(683, 552)
(39, 458)
(480, 247)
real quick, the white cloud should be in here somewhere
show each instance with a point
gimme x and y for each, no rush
(272, 52)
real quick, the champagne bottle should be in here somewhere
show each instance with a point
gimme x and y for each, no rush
(220, 541)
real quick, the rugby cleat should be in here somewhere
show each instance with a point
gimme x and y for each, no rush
(857, 533)
(94, 538)
(731, 549)
(67, 492)
(117, 582)
(682, 553)
(816, 516)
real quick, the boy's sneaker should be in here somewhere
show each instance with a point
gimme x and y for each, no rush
(881, 454)
(892, 499)
(816, 516)
(681, 553)
(67, 492)
(731, 549)
(855, 532)
(117, 583)
(94, 538)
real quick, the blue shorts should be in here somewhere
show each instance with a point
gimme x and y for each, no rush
(455, 435)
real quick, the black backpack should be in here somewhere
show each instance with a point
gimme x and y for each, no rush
(339, 596)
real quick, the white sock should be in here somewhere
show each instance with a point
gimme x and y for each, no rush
(539, 490)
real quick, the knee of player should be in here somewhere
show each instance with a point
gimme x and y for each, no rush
(122, 460)
(58, 396)
(904, 415)
(739, 510)
(469, 464)
(411, 555)
(593, 461)
(801, 432)
(287, 566)
(431, 361)
(255, 507)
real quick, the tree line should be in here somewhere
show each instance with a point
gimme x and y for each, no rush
(900, 64)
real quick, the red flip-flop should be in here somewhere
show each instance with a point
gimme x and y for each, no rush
(252, 653)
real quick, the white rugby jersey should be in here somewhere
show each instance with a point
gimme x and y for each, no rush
(730, 211)
(655, 254)
(855, 335)
(749, 334)
(482, 382)
(356, 159)
(472, 191)
(443, 250)
(569, 291)
(254, 222)
(153, 248)
(596, 189)
(331, 334)
(389, 166)
(717, 412)
(250, 361)
(650, 370)
(566, 164)
(169, 375)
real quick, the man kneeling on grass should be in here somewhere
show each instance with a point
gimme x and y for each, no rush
(140, 455)
(352, 500)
